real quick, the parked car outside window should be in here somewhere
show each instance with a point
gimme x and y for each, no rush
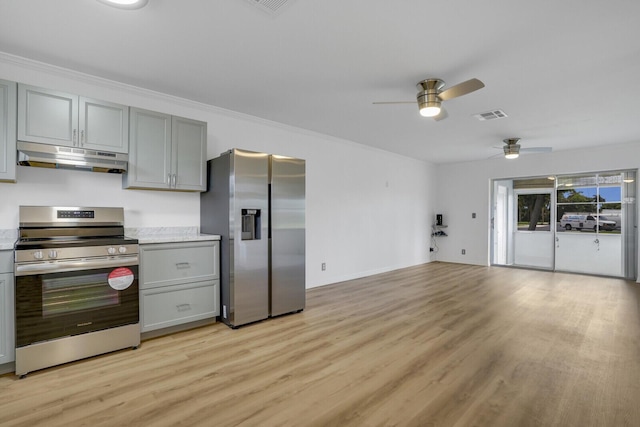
(586, 222)
(569, 222)
(605, 223)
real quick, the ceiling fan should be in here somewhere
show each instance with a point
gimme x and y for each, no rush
(512, 149)
(430, 96)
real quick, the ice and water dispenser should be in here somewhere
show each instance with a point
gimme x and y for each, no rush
(251, 224)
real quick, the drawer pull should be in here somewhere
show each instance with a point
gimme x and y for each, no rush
(182, 265)
(183, 307)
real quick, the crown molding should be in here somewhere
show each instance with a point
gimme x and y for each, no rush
(105, 83)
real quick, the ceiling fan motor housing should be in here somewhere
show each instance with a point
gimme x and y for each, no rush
(428, 93)
(430, 85)
(512, 147)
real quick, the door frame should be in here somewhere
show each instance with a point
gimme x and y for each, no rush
(519, 235)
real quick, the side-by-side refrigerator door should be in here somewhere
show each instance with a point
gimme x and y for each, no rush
(287, 243)
(250, 211)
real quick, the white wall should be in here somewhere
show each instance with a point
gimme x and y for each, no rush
(368, 211)
(464, 188)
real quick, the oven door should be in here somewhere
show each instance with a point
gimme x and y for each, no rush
(59, 304)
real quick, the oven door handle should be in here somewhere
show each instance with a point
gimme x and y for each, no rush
(73, 265)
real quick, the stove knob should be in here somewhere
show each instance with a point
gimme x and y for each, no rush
(53, 254)
(38, 255)
(111, 251)
(122, 249)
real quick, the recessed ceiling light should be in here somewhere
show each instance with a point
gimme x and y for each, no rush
(125, 4)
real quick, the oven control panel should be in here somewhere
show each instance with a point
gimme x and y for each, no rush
(65, 214)
(38, 255)
(44, 255)
(113, 251)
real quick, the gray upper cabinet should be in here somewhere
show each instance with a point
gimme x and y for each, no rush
(149, 150)
(104, 126)
(7, 131)
(47, 116)
(189, 140)
(166, 152)
(57, 118)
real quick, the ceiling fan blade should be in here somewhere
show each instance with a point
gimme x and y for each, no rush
(536, 149)
(461, 89)
(441, 116)
(394, 102)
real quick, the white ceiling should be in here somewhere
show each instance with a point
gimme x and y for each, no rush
(567, 73)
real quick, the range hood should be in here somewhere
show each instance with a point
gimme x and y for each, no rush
(59, 157)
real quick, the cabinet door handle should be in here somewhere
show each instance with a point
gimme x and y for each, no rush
(169, 179)
(183, 307)
(174, 179)
(82, 137)
(75, 137)
(182, 265)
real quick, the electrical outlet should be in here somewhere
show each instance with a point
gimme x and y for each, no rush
(324, 266)
(473, 215)
(464, 252)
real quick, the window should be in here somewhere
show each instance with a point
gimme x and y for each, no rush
(534, 212)
(534, 204)
(590, 203)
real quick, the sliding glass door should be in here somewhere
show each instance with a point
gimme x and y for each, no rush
(533, 240)
(597, 226)
(582, 223)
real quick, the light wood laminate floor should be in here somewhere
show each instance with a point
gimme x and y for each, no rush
(433, 345)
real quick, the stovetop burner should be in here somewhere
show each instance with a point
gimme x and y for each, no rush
(71, 232)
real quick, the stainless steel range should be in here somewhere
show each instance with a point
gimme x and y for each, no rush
(76, 278)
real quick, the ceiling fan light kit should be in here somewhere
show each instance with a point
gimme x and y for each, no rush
(429, 108)
(427, 97)
(510, 155)
(512, 148)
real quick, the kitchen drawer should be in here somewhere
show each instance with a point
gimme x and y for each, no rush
(6, 261)
(165, 264)
(175, 305)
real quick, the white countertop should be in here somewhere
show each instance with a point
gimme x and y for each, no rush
(8, 239)
(7, 244)
(146, 235)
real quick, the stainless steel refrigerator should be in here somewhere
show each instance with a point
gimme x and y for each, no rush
(256, 203)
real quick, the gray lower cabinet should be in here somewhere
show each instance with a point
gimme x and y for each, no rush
(7, 333)
(8, 96)
(166, 152)
(179, 283)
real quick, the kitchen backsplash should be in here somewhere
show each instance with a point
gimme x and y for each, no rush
(152, 232)
(11, 233)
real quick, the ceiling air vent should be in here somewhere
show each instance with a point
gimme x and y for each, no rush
(270, 6)
(490, 115)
